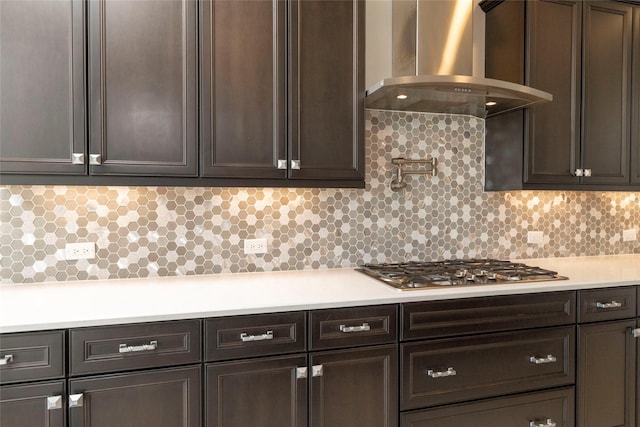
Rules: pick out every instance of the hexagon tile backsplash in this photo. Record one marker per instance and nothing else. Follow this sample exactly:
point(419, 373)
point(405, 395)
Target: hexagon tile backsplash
point(159, 231)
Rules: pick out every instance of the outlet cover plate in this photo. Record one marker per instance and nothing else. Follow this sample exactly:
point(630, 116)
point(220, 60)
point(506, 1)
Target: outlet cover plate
point(79, 251)
point(629, 235)
point(535, 237)
point(255, 246)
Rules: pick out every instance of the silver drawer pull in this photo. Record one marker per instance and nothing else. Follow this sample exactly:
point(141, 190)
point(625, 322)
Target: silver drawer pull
point(6, 359)
point(246, 338)
point(548, 423)
point(362, 328)
point(450, 372)
point(636, 333)
point(540, 360)
point(136, 348)
point(612, 304)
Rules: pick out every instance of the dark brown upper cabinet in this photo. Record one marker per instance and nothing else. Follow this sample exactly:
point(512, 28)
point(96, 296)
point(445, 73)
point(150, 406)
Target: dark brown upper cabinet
point(580, 51)
point(282, 89)
point(635, 109)
point(142, 88)
point(42, 101)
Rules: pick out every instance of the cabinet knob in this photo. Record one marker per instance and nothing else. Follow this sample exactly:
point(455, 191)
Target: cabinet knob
point(95, 159)
point(77, 158)
point(635, 333)
point(587, 172)
point(54, 402)
point(6, 359)
point(295, 164)
point(548, 423)
point(317, 371)
point(579, 172)
point(301, 372)
point(76, 400)
point(450, 372)
point(282, 164)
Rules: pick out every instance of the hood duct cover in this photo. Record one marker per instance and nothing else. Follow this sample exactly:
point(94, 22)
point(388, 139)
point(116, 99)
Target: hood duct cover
point(437, 60)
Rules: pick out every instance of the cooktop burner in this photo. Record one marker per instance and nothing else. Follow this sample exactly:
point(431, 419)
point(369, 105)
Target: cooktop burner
point(463, 272)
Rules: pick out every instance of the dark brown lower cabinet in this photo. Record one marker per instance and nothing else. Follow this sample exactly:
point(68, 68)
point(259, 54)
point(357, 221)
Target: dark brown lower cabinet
point(354, 387)
point(268, 392)
point(33, 405)
point(156, 398)
point(606, 374)
point(551, 408)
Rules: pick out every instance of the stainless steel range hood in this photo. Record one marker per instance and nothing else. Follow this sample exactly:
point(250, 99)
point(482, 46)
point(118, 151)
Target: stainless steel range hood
point(428, 56)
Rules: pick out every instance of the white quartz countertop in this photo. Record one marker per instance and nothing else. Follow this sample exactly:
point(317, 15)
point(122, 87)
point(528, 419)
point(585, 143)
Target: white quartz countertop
point(29, 307)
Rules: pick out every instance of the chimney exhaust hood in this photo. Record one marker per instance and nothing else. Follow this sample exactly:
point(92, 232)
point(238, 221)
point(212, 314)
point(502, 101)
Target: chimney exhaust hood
point(434, 52)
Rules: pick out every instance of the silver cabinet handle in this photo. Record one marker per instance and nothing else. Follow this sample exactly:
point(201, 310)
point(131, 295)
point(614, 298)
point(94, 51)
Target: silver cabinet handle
point(612, 304)
point(76, 400)
point(548, 423)
point(301, 372)
point(54, 402)
point(541, 360)
point(587, 172)
point(282, 164)
point(579, 172)
point(450, 372)
point(95, 159)
point(246, 338)
point(362, 328)
point(123, 348)
point(295, 164)
point(636, 333)
point(6, 359)
point(317, 371)
point(77, 158)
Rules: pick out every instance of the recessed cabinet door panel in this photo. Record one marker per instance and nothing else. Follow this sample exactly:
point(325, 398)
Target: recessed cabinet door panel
point(161, 398)
point(553, 143)
point(635, 111)
point(243, 88)
point(143, 87)
point(33, 405)
point(356, 387)
point(606, 88)
point(606, 377)
point(42, 95)
point(326, 124)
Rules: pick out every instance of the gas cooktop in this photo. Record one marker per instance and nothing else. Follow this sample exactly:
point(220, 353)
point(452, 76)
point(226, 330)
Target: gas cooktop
point(464, 272)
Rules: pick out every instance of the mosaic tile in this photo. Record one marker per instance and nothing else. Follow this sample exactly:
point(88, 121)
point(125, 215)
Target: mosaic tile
point(161, 231)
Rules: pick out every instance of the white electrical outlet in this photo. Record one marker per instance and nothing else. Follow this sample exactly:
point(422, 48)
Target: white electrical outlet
point(535, 237)
point(629, 235)
point(80, 251)
point(255, 246)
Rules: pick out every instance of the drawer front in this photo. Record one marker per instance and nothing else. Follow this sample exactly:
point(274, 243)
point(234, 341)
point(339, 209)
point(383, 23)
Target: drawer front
point(490, 314)
point(348, 327)
point(552, 408)
point(31, 356)
point(455, 370)
point(607, 304)
point(255, 335)
point(124, 347)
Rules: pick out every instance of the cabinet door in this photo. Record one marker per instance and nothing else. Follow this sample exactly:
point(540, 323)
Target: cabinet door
point(33, 405)
point(606, 89)
point(606, 376)
point(356, 387)
point(269, 392)
point(143, 87)
point(326, 89)
point(635, 110)
point(243, 88)
point(161, 398)
point(552, 146)
point(42, 95)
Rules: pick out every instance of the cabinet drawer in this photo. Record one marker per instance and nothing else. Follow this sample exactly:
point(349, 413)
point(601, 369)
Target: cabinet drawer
point(347, 327)
point(527, 410)
point(31, 356)
point(455, 370)
point(124, 347)
point(491, 314)
point(255, 335)
point(607, 304)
